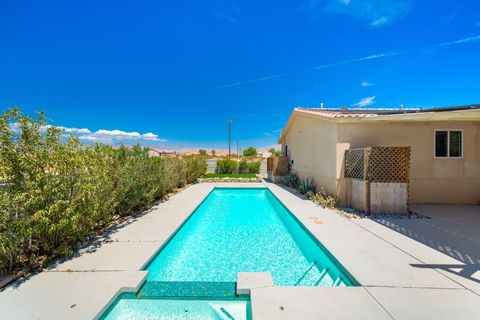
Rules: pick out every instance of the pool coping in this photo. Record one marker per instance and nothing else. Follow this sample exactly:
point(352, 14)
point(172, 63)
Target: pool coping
point(377, 309)
point(384, 270)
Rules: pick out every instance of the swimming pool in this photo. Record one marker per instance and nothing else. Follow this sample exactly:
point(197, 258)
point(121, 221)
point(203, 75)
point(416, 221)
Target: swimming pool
point(236, 230)
point(129, 306)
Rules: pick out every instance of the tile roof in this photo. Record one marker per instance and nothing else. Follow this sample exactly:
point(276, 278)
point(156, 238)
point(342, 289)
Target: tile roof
point(347, 113)
point(325, 113)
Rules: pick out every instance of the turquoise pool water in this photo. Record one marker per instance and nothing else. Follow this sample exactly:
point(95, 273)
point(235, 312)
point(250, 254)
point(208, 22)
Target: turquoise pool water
point(233, 230)
point(246, 230)
point(129, 307)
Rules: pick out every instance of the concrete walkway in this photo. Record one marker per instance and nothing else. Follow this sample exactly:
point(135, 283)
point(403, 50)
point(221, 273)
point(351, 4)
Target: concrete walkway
point(396, 272)
point(398, 281)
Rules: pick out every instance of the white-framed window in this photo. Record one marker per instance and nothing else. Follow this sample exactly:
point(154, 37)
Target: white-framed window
point(448, 143)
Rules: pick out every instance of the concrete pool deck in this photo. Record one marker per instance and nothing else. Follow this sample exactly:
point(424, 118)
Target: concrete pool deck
point(401, 277)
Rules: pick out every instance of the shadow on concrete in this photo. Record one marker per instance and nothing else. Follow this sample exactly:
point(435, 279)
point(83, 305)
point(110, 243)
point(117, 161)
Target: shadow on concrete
point(452, 230)
point(463, 270)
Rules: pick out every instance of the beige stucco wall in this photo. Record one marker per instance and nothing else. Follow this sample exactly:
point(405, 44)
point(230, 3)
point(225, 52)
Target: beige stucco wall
point(312, 145)
point(444, 181)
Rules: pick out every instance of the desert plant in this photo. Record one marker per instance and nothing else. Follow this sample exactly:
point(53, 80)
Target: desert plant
point(55, 190)
point(254, 167)
point(275, 152)
point(231, 166)
point(226, 166)
point(323, 199)
point(306, 185)
point(250, 152)
point(243, 167)
point(292, 180)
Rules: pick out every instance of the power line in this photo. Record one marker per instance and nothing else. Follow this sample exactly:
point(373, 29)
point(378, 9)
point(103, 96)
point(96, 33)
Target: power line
point(229, 136)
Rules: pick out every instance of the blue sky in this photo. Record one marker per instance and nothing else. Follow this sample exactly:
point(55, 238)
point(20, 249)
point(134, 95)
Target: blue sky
point(169, 73)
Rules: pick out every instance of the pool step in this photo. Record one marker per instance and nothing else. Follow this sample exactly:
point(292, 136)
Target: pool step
point(184, 289)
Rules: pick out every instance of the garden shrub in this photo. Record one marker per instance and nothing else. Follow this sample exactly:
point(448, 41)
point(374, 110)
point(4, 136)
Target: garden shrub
point(55, 190)
point(227, 166)
point(250, 152)
point(243, 167)
point(323, 199)
point(254, 167)
point(232, 166)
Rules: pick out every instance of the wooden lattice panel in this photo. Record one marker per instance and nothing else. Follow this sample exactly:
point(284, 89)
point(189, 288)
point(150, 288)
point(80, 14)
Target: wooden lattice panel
point(355, 164)
point(270, 164)
point(389, 164)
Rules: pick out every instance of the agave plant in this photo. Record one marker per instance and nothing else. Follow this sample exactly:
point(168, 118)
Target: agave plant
point(293, 180)
point(306, 186)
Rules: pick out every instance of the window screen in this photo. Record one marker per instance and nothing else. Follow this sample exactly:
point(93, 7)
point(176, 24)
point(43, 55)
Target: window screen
point(455, 143)
point(448, 143)
point(441, 143)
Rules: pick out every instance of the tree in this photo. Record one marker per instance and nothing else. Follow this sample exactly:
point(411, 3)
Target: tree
point(213, 153)
point(250, 152)
point(202, 152)
point(274, 152)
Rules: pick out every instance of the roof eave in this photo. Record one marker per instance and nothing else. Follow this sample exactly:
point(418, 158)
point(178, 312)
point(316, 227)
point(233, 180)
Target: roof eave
point(459, 115)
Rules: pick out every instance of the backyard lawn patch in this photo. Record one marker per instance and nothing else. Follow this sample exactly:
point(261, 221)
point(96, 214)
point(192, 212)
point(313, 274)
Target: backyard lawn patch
point(230, 175)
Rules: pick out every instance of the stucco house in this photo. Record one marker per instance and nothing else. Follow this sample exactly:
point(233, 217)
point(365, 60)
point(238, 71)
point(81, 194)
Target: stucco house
point(444, 144)
point(153, 152)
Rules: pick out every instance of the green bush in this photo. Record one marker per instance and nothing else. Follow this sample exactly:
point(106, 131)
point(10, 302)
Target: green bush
point(254, 167)
point(250, 152)
point(243, 167)
point(232, 166)
point(54, 192)
point(226, 166)
point(275, 152)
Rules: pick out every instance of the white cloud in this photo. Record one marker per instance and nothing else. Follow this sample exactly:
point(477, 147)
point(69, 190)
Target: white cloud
point(95, 139)
point(112, 136)
point(365, 102)
point(366, 84)
point(103, 135)
point(118, 134)
point(460, 41)
point(375, 12)
point(151, 136)
point(366, 58)
point(379, 55)
point(448, 18)
point(379, 21)
point(227, 11)
point(241, 83)
point(223, 16)
point(72, 130)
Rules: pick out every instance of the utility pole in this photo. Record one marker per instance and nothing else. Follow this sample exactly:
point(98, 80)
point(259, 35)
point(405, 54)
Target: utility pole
point(229, 136)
